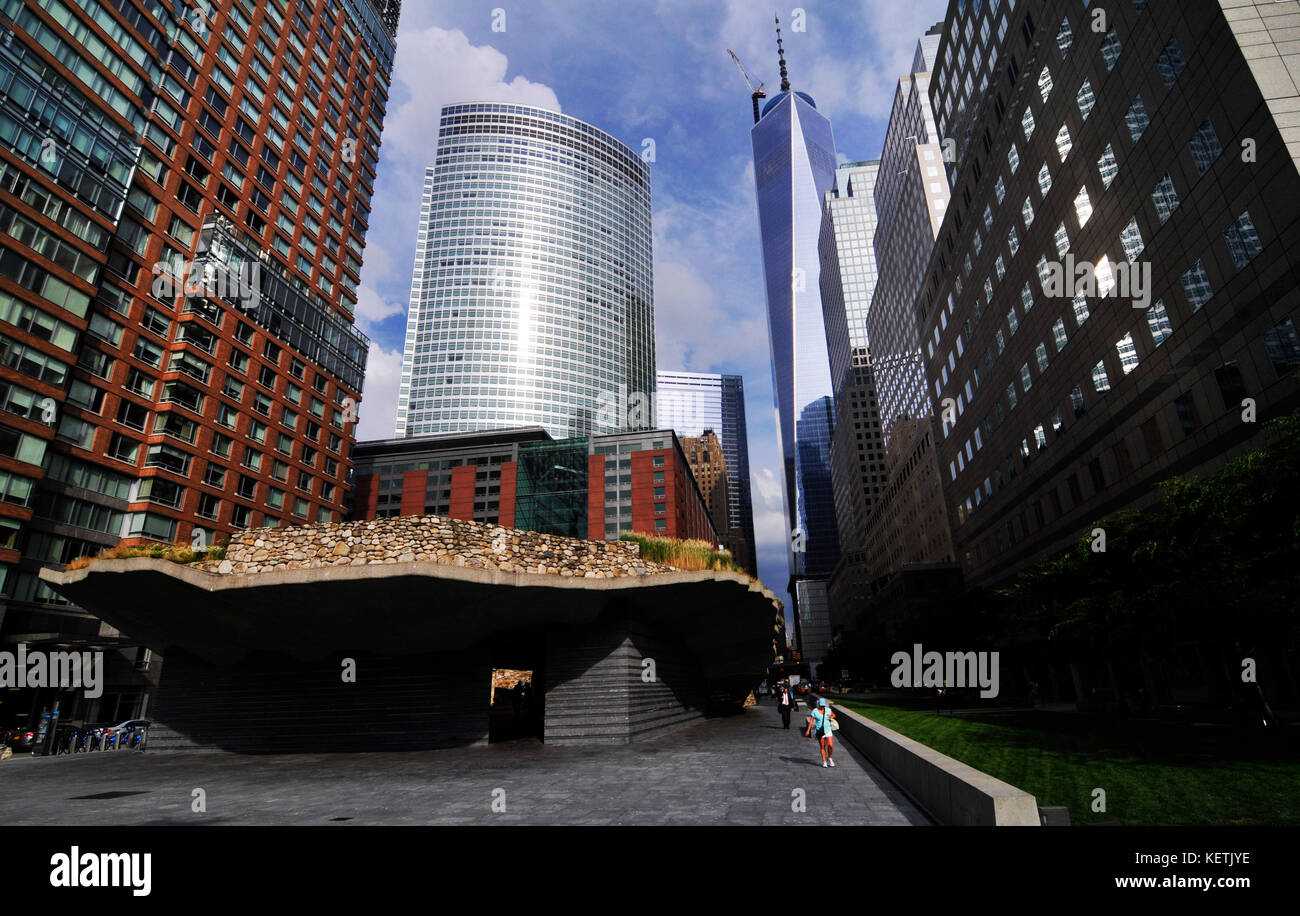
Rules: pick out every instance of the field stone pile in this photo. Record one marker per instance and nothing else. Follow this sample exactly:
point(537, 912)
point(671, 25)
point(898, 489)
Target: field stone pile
point(429, 538)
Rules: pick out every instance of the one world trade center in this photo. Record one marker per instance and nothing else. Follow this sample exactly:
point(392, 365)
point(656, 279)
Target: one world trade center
point(794, 166)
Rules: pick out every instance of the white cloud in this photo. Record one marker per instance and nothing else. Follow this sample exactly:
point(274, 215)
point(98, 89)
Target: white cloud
point(769, 509)
point(708, 295)
point(377, 413)
point(439, 66)
point(372, 308)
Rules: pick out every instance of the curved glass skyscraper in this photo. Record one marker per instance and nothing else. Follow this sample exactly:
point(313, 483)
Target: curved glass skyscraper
point(532, 300)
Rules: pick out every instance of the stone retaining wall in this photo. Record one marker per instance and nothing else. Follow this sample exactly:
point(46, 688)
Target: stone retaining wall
point(952, 793)
point(407, 539)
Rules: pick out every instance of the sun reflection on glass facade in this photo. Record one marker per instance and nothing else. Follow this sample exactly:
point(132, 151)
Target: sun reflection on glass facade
point(532, 294)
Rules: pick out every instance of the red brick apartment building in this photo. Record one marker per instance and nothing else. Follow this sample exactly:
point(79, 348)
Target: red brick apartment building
point(598, 488)
point(147, 153)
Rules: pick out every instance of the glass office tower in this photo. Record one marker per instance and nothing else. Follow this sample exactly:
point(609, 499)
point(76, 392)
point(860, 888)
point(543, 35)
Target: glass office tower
point(691, 402)
point(532, 295)
point(794, 166)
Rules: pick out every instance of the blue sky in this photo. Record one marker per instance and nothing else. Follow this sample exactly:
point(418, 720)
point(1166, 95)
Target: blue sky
point(657, 70)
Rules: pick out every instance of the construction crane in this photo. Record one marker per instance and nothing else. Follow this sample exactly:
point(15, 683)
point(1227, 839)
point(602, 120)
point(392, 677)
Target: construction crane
point(754, 94)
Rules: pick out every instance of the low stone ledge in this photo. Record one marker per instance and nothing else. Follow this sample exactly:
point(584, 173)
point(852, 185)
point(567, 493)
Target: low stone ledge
point(949, 791)
point(428, 539)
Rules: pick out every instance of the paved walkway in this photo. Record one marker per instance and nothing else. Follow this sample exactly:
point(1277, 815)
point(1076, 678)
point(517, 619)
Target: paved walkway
point(739, 770)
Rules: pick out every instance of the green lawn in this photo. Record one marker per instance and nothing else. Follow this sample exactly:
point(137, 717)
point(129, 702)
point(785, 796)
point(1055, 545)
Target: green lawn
point(1153, 773)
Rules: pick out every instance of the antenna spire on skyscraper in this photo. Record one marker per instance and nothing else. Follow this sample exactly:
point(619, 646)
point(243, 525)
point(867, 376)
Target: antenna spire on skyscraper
point(780, 53)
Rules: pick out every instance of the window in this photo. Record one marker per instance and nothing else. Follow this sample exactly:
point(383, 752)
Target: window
point(1100, 381)
point(1027, 122)
point(1243, 240)
point(1076, 401)
point(1064, 36)
point(1082, 206)
point(1131, 240)
point(1165, 198)
point(132, 415)
point(1027, 213)
point(1110, 49)
point(1062, 239)
point(1282, 347)
point(214, 475)
point(1085, 99)
point(1040, 357)
point(1063, 142)
point(1158, 322)
point(1059, 336)
point(1205, 147)
point(1136, 119)
point(1045, 83)
point(1044, 180)
point(1185, 408)
point(1196, 286)
point(1107, 166)
point(1128, 356)
point(1231, 385)
point(1105, 277)
point(1171, 63)
point(209, 506)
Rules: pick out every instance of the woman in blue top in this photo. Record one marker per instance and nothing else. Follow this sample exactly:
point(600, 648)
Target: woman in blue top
point(821, 719)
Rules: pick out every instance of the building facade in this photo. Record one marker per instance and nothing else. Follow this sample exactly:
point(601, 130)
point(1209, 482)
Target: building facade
point(794, 167)
point(597, 488)
point(848, 266)
point(532, 297)
point(690, 403)
point(910, 200)
point(848, 281)
point(1114, 297)
point(708, 463)
point(185, 195)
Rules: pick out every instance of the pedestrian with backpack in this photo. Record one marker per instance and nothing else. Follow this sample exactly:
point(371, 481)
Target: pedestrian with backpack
point(823, 719)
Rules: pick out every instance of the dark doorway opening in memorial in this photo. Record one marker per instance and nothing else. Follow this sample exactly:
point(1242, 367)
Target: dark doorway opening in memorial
point(518, 694)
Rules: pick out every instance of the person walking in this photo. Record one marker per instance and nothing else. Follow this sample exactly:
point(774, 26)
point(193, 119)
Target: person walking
point(786, 703)
point(822, 718)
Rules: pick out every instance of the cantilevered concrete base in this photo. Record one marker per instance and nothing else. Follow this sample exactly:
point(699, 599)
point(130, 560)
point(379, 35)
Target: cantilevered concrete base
point(256, 661)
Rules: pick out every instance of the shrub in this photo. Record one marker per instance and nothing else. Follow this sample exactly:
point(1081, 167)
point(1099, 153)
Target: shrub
point(689, 554)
